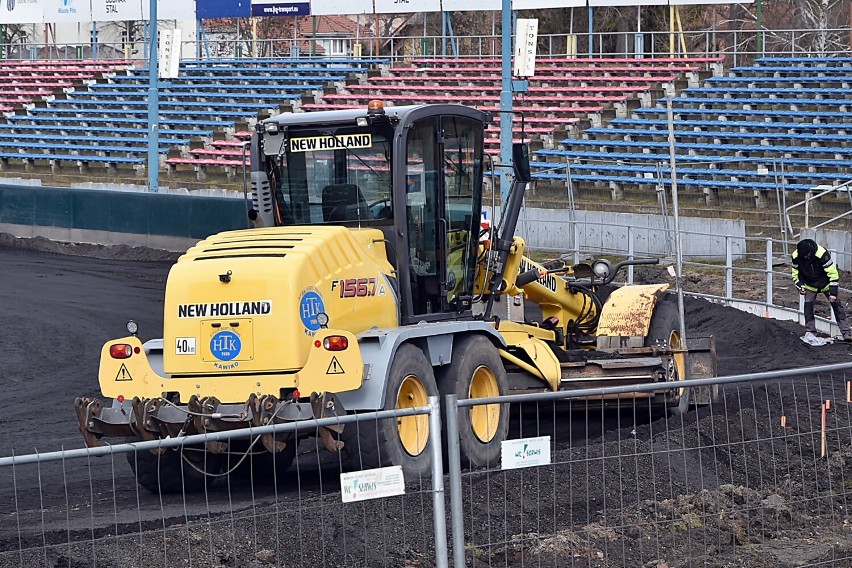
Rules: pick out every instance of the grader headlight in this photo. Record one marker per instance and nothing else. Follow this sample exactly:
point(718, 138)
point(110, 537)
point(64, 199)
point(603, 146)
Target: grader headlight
point(602, 268)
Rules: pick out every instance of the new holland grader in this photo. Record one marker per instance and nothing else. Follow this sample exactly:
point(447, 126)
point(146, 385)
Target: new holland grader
point(364, 282)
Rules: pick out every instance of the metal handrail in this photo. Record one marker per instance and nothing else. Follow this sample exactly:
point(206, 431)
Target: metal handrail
point(811, 196)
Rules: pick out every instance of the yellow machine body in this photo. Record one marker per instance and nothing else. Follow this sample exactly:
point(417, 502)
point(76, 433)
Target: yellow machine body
point(246, 303)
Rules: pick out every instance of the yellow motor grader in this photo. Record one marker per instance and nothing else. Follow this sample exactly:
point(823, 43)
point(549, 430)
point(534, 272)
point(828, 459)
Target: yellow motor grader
point(364, 282)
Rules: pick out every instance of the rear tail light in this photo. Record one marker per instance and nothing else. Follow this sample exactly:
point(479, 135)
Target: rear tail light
point(120, 351)
point(335, 343)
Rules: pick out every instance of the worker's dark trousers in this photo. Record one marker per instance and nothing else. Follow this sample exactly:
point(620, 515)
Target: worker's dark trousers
point(836, 307)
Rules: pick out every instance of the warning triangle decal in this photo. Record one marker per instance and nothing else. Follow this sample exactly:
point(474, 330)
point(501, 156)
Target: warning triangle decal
point(123, 374)
point(334, 368)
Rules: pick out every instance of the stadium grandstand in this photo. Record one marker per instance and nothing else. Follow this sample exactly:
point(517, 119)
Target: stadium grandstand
point(747, 128)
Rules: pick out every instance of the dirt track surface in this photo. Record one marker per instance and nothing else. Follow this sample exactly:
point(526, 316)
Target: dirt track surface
point(60, 303)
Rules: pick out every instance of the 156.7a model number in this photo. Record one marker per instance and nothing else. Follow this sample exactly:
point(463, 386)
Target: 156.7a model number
point(355, 287)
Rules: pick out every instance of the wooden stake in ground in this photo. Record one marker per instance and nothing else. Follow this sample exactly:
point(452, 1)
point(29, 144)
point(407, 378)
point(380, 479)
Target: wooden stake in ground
point(849, 392)
point(783, 421)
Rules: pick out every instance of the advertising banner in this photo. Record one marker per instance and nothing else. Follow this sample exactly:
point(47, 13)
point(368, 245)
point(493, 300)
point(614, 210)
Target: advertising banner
point(536, 4)
point(116, 10)
point(58, 11)
point(170, 9)
point(471, 5)
point(207, 9)
point(407, 6)
point(21, 12)
point(280, 8)
point(342, 7)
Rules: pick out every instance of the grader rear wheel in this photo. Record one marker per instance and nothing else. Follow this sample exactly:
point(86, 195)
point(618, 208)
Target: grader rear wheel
point(403, 441)
point(476, 371)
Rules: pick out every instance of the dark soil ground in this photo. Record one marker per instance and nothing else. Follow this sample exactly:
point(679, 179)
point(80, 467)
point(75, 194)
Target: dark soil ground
point(723, 485)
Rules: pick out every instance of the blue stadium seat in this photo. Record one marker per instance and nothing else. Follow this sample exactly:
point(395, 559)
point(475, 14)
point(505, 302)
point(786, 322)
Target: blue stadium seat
point(642, 170)
point(132, 141)
point(768, 113)
point(142, 111)
point(758, 92)
point(701, 183)
point(164, 103)
point(715, 159)
point(812, 62)
point(842, 80)
point(712, 125)
point(96, 149)
point(710, 148)
point(756, 101)
point(140, 131)
point(642, 132)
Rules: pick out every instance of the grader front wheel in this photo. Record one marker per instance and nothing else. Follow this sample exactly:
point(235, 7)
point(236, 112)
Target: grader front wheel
point(476, 371)
point(404, 440)
point(664, 332)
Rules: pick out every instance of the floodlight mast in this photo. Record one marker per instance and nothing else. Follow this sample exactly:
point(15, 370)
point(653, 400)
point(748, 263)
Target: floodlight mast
point(153, 104)
point(506, 100)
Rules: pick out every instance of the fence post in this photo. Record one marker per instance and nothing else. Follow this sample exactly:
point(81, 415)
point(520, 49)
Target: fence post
point(456, 504)
point(630, 254)
point(439, 509)
point(729, 269)
point(576, 243)
point(769, 272)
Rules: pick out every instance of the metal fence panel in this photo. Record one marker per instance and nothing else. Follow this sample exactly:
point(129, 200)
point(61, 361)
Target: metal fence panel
point(79, 508)
point(763, 477)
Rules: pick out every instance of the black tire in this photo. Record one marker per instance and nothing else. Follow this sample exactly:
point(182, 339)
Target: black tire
point(404, 442)
point(664, 332)
point(170, 471)
point(665, 325)
point(476, 371)
point(262, 467)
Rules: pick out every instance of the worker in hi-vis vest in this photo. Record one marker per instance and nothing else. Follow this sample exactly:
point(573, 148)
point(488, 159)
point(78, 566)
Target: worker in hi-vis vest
point(814, 272)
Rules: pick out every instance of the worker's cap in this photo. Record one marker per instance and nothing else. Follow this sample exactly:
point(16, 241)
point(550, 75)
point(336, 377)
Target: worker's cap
point(806, 248)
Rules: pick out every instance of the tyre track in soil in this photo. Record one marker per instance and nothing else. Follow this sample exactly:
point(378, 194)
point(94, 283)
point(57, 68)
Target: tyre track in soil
point(59, 303)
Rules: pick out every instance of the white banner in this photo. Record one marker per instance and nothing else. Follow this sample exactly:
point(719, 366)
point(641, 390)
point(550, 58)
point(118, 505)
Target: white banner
point(692, 2)
point(526, 37)
point(469, 5)
point(341, 7)
point(170, 9)
point(58, 11)
point(405, 6)
point(536, 4)
point(596, 3)
point(21, 12)
point(116, 10)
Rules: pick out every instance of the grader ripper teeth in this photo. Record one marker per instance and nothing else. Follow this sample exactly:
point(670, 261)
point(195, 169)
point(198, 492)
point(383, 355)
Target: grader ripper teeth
point(157, 418)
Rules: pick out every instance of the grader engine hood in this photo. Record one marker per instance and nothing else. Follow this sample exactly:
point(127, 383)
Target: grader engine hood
point(247, 301)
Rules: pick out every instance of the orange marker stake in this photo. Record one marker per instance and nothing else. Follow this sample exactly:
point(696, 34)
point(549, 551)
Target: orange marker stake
point(824, 441)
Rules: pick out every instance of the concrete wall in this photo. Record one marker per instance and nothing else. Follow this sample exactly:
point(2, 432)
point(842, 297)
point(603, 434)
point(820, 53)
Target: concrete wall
point(169, 222)
point(174, 222)
point(600, 231)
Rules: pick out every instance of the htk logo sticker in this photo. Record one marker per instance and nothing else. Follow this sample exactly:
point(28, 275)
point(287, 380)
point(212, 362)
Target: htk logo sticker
point(225, 345)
